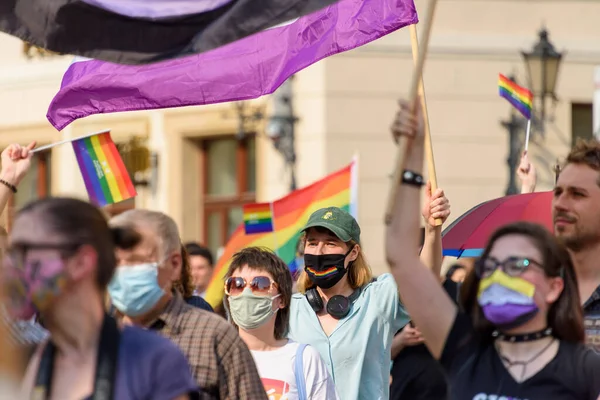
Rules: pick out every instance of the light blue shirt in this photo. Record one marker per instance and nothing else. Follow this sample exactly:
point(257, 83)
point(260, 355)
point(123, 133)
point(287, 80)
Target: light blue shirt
point(358, 351)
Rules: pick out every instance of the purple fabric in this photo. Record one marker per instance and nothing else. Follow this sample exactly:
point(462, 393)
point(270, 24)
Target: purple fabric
point(151, 368)
point(246, 69)
point(507, 314)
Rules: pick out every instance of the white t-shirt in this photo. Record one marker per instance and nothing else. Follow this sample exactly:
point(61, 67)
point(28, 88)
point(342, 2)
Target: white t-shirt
point(276, 369)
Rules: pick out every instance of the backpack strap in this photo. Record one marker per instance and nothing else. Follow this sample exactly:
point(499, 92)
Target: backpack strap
point(299, 373)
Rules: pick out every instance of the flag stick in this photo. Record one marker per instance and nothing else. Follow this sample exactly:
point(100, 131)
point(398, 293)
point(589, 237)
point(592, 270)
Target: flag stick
point(527, 134)
point(405, 143)
point(49, 146)
point(414, 41)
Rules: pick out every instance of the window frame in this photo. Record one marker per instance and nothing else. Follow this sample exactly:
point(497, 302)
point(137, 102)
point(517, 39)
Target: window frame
point(577, 109)
point(222, 204)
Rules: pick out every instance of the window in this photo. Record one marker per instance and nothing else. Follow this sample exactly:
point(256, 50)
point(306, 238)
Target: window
point(229, 177)
point(35, 184)
point(582, 125)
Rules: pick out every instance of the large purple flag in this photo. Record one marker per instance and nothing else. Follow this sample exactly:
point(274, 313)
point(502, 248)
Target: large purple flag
point(246, 69)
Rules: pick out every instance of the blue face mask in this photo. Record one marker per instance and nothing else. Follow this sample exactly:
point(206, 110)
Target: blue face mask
point(134, 289)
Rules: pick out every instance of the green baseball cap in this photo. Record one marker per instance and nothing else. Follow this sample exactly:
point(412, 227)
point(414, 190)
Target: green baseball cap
point(340, 222)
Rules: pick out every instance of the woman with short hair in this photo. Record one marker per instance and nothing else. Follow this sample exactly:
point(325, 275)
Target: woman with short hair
point(258, 286)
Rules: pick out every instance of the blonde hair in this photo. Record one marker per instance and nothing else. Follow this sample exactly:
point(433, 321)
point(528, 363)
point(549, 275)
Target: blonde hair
point(166, 231)
point(359, 272)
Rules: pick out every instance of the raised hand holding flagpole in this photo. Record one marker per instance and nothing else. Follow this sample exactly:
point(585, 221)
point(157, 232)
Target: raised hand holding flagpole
point(404, 143)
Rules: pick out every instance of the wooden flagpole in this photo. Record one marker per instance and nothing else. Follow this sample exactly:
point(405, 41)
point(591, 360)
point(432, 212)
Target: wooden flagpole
point(404, 143)
point(414, 41)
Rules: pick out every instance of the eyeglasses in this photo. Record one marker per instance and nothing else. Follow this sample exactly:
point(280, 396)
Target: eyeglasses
point(512, 266)
point(17, 252)
point(260, 285)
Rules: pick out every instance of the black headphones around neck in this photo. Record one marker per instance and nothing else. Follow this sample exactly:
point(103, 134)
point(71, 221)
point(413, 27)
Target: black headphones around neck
point(338, 306)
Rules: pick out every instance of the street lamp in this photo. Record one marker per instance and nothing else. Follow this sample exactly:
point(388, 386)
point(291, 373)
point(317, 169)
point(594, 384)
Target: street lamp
point(542, 64)
point(246, 119)
point(281, 127)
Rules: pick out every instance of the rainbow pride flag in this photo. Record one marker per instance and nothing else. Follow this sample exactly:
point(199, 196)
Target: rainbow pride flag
point(518, 96)
point(289, 214)
point(258, 218)
point(106, 178)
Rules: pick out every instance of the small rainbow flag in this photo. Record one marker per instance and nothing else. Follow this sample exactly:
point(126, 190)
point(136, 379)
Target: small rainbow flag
point(518, 96)
point(258, 218)
point(106, 178)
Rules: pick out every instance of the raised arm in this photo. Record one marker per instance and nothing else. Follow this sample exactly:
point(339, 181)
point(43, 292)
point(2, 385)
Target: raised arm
point(527, 174)
point(426, 301)
point(15, 164)
point(435, 206)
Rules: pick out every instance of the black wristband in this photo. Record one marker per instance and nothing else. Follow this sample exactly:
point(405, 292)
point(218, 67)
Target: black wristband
point(9, 185)
point(412, 178)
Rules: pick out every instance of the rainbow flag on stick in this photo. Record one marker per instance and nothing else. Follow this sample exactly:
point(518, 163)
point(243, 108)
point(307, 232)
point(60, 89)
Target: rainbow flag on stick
point(106, 178)
point(288, 216)
point(518, 96)
point(258, 218)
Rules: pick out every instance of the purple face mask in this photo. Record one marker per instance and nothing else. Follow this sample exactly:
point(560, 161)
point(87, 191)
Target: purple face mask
point(507, 301)
point(34, 286)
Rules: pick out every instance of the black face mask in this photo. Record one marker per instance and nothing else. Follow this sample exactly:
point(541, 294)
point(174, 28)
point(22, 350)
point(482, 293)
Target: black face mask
point(325, 270)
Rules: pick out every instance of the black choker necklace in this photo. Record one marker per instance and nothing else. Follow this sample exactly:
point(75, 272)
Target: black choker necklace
point(524, 337)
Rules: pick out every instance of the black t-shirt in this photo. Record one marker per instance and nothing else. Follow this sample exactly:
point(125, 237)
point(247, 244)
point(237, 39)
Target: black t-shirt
point(475, 371)
point(416, 375)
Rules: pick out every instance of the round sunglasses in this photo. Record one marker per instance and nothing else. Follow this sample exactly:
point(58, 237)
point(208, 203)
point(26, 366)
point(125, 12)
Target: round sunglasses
point(260, 285)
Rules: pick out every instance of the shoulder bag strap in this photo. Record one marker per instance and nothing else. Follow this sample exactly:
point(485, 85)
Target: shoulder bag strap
point(299, 373)
point(107, 360)
point(106, 365)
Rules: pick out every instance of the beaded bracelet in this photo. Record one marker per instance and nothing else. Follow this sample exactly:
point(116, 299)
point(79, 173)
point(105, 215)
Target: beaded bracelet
point(9, 185)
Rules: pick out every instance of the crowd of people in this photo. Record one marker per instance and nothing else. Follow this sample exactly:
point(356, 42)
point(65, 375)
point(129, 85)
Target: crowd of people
point(113, 308)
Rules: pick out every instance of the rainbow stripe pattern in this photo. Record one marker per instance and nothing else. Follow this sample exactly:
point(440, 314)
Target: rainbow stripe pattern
point(518, 96)
point(327, 272)
point(289, 215)
point(258, 218)
point(104, 174)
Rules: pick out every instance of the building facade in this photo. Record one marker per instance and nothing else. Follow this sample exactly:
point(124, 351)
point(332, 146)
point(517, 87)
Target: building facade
point(205, 169)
